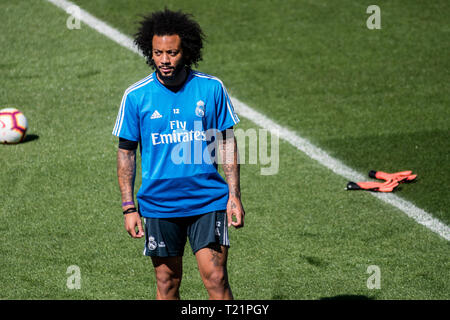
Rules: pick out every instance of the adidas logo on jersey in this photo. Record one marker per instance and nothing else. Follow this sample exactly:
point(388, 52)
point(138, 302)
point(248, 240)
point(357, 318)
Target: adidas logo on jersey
point(156, 115)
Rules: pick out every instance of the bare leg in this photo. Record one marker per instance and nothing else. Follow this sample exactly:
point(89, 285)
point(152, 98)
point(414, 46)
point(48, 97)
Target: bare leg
point(212, 264)
point(168, 273)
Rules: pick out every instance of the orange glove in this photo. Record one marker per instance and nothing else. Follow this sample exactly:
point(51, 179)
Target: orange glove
point(387, 186)
point(402, 176)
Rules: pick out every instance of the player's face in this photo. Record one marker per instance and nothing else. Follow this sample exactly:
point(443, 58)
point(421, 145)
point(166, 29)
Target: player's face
point(167, 56)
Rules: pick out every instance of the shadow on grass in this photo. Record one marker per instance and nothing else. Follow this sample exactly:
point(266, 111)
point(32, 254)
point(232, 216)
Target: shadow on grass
point(30, 137)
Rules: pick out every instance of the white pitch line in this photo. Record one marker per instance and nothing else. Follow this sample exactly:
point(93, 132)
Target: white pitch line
point(419, 215)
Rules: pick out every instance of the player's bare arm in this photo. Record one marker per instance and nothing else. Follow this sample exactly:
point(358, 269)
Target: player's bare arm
point(229, 155)
point(126, 173)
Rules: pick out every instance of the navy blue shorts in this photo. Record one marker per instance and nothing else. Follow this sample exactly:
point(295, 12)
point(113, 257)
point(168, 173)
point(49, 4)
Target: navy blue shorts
point(167, 237)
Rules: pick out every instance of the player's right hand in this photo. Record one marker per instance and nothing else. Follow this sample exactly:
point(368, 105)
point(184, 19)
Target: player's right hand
point(133, 220)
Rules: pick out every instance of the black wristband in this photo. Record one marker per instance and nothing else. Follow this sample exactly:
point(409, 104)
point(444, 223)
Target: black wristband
point(130, 210)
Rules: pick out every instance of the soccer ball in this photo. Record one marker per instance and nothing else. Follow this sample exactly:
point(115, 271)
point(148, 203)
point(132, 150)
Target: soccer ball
point(13, 126)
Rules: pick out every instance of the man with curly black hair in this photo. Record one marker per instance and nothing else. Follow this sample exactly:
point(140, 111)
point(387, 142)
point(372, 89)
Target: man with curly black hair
point(177, 116)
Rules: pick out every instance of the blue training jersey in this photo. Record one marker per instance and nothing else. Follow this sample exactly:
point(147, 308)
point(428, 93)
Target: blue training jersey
point(176, 132)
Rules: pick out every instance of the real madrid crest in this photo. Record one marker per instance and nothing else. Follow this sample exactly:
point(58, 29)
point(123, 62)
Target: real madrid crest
point(200, 109)
point(152, 243)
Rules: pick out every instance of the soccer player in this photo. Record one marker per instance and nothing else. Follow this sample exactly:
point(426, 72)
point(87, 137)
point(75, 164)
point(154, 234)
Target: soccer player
point(178, 116)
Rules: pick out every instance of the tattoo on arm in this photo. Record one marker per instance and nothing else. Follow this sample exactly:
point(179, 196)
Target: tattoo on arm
point(126, 173)
point(230, 165)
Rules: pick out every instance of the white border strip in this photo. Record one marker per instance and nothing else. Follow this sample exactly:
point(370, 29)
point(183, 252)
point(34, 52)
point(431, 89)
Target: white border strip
point(419, 215)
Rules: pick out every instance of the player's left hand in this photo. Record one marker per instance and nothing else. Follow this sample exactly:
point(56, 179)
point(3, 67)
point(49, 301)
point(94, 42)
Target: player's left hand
point(235, 210)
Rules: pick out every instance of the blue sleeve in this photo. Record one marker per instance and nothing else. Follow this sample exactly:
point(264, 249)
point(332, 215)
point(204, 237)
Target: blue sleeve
point(226, 117)
point(127, 122)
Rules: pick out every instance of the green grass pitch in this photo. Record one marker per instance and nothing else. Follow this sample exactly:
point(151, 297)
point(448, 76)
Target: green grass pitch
point(374, 99)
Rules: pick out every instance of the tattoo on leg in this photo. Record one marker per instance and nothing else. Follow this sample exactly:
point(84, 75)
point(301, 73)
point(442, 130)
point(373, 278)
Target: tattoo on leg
point(215, 257)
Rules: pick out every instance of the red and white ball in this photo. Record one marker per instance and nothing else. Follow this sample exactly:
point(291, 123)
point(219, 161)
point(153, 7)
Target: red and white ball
point(13, 126)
